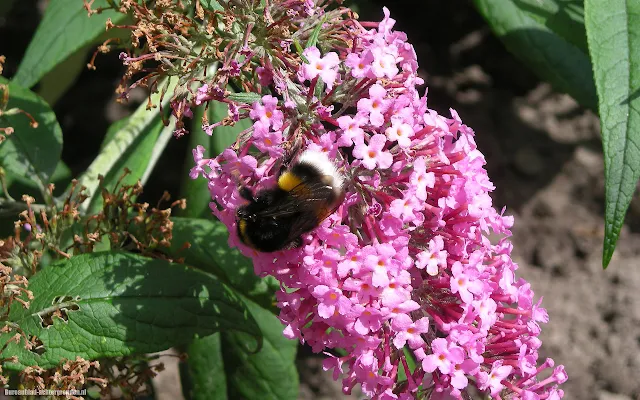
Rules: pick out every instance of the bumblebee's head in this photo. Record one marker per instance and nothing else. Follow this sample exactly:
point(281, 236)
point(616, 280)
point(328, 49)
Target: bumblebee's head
point(245, 217)
point(259, 232)
point(246, 211)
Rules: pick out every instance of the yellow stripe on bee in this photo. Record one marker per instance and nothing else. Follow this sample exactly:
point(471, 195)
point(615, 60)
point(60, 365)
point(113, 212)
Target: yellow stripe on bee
point(242, 229)
point(242, 226)
point(288, 181)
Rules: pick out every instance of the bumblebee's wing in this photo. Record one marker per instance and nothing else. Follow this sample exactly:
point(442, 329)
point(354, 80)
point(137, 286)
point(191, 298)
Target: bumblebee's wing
point(306, 198)
point(305, 207)
point(317, 201)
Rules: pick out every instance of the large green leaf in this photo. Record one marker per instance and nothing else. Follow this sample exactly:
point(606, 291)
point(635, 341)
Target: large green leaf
point(268, 374)
point(18, 184)
point(195, 190)
point(56, 82)
point(613, 31)
point(64, 29)
point(30, 152)
point(548, 37)
point(136, 157)
point(111, 155)
point(210, 252)
point(203, 375)
point(115, 304)
point(563, 17)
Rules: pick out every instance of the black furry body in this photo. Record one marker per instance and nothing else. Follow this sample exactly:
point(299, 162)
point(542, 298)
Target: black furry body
point(275, 218)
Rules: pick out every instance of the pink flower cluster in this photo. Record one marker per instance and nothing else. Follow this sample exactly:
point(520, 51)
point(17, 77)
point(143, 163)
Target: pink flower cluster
point(404, 275)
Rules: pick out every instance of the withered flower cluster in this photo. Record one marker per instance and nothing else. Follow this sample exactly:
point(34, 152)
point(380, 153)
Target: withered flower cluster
point(235, 45)
point(60, 230)
point(129, 225)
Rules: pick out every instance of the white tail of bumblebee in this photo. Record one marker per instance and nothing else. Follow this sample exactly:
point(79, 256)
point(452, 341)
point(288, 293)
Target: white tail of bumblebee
point(321, 162)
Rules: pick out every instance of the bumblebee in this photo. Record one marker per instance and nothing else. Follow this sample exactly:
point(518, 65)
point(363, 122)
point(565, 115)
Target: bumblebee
point(306, 193)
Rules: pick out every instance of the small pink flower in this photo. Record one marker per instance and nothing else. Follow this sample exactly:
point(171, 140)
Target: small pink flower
point(433, 259)
point(421, 179)
point(197, 170)
point(324, 67)
point(381, 264)
point(245, 165)
point(459, 378)
point(464, 283)
point(384, 63)
point(375, 105)
point(493, 379)
point(265, 76)
point(268, 114)
point(527, 361)
point(333, 362)
point(396, 292)
point(330, 301)
point(267, 142)
point(352, 133)
point(326, 144)
point(400, 132)
point(372, 154)
point(486, 310)
point(360, 65)
point(203, 94)
point(445, 356)
point(559, 374)
point(370, 319)
point(409, 331)
point(407, 209)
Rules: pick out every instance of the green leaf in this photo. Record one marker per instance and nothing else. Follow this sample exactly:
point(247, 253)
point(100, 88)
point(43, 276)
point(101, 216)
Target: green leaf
point(313, 39)
point(57, 81)
point(549, 39)
point(64, 29)
point(300, 50)
point(411, 363)
point(613, 31)
point(18, 184)
point(30, 152)
point(248, 98)
point(136, 157)
point(223, 136)
point(225, 369)
point(268, 374)
point(210, 252)
point(112, 153)
point(115, 304)
point(195, 190)
point(211, 5)
point(203, 375)
point(565, 18)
